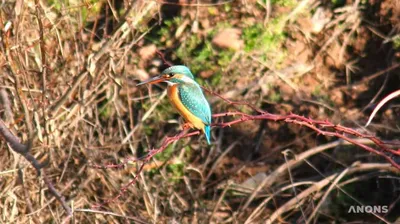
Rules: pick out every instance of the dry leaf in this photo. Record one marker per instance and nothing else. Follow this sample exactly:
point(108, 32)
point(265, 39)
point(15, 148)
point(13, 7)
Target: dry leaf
point(18, 7)
point(147, 52)
point(206, 74)
point(319, 20)
point(229, 38)
point(141, 74)
point(181, 28)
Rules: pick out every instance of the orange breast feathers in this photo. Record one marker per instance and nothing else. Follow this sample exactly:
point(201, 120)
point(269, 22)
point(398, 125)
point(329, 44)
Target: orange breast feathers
point(173, 96)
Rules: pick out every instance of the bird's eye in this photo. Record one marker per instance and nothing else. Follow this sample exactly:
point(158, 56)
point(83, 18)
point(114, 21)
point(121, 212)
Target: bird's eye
point(169, 75)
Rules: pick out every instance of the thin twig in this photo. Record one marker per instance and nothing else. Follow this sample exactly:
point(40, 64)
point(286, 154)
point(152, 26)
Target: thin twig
point(285, 154)
point(44, 65)
point(381, 103)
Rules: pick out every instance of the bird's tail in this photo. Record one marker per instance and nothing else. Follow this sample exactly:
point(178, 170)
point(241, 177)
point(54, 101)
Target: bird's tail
point(207, 132)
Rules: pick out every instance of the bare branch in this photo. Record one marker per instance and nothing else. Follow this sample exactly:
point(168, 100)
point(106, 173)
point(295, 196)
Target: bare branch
point(23, 150)
point(12, 140)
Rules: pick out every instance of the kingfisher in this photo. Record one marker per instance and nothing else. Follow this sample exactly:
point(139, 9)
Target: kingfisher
point(186, 96)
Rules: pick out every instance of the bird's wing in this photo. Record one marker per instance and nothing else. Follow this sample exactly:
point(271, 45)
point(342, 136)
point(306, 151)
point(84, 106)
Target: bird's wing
point(193, 99)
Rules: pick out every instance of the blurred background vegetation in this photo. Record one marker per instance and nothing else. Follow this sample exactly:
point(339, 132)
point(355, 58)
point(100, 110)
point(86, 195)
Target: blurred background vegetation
point(326, 59)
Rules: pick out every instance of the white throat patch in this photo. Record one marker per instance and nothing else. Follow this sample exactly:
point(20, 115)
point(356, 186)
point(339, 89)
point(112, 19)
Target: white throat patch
point(170, 83)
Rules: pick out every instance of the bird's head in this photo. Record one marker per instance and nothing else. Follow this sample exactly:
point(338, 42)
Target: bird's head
point(176, 74)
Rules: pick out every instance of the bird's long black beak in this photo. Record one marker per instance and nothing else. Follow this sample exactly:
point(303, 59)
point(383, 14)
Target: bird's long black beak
point(153, 80)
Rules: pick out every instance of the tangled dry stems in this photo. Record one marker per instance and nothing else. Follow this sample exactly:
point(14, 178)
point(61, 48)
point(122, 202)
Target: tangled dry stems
point(321, 127)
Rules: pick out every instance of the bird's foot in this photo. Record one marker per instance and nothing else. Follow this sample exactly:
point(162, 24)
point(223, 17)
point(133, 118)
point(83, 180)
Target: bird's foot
point(186, 126)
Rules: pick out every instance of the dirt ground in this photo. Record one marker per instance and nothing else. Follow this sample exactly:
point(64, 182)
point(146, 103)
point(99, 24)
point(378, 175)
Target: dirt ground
point(68, 92)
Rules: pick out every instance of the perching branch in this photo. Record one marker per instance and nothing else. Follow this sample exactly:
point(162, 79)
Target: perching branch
point(321, 127)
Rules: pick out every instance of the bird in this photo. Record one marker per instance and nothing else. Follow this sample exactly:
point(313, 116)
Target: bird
point(186, 95)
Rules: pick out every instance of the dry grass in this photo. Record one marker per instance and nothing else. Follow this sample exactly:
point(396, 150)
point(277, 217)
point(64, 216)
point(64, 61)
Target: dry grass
point(67, 91)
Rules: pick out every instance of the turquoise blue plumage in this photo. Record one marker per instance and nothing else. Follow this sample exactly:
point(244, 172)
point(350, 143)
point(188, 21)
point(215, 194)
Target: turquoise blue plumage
point(193, 99)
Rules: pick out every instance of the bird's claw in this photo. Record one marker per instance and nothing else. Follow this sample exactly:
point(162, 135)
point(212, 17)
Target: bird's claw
point(186, 126)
